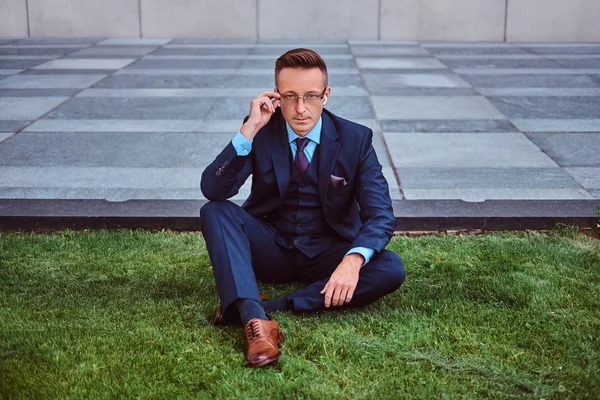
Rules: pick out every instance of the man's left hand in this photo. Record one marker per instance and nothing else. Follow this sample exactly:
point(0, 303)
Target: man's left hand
point(340, 287)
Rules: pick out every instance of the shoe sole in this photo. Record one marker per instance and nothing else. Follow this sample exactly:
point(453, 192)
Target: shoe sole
point(265, 362)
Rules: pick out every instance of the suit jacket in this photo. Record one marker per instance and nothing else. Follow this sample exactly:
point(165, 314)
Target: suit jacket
point(357, 207)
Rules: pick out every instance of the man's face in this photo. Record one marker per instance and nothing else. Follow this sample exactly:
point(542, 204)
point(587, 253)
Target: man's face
point(301, 115)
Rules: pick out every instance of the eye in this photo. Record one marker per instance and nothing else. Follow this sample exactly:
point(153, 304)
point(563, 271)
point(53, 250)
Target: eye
point(312, 96)
point(289, 97)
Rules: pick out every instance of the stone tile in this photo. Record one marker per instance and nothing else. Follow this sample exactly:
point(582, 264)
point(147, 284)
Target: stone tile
point(20, 64)
point(229, 108)
point(180, 71)
point(570, 149)
point(399, 80)
point(531, 81)
point(134, 42)
point(523, 71)
point(134, 125)
point(247, 93)
point(7, 41)
point(589, 178)
point(277, 51)
point(486, 178)
point(212, 41)
point(225, 51)
point(2, 57)
point(557, 125)
point(464, 150)
point(475, 50)
point(434, 107)
point(390, 177)
point(113, 51)
point(86, 64)
point(49, 81)
point(501, 63)
point(171, 81)
point(460, 125)
point(388, 51)
point(423, 92)
point(480, 57)
point(357, 43)
point(564, 49)
point(548, 107)
point(331, 63)
point(5, 135)
point(558, 57)
point(185, 64)
point(351, 107)
point(9, 72)
point(47, 41)
point(543, 92)
point(38, 92)
point(27, 108)
point(480, 195)
point(12, 125)
point(37, 51)
point(133, 108)
point(123, 150)
point(595, 193)
point(577, 64)
point(399, 63)
point(68, 72)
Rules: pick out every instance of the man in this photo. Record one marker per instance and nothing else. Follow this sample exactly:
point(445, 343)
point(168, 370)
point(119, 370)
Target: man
point(319, 210)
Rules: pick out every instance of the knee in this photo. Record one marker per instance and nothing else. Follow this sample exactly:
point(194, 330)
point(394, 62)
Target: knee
point(393, 270)
point(212, 210)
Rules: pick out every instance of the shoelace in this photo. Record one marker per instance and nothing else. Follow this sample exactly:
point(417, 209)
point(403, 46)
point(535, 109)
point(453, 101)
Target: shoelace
point(253, 330)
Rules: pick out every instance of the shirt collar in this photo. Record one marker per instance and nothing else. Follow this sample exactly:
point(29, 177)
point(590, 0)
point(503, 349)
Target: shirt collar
point(314, 134)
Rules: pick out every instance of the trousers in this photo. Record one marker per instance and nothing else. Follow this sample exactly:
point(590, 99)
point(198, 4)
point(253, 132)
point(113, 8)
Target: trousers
point(244, 249)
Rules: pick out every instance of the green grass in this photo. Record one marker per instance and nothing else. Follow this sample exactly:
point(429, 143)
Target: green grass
point(126, 315)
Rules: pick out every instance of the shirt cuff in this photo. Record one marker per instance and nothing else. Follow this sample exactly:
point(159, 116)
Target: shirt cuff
point(241, 145)
point(363, 251)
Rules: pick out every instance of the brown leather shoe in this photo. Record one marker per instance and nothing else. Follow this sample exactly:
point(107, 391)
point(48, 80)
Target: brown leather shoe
point(220, 318)
point(263, 338)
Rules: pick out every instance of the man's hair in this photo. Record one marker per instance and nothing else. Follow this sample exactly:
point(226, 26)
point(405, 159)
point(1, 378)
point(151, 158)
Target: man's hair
point(302, 59)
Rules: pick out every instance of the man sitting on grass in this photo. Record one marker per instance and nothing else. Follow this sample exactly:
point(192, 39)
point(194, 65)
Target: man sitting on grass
point(319, 210)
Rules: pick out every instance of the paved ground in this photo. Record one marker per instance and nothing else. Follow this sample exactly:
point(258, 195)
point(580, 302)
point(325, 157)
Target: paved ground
point(121, 119)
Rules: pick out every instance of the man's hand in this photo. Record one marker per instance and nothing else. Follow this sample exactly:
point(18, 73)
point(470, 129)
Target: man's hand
point(342, 283)
point(261, 109)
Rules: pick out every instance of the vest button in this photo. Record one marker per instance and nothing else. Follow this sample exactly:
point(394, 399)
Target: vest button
point(296, 242)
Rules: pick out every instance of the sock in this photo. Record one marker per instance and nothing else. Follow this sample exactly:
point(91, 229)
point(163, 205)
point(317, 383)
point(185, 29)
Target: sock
point(250, 309)
point(280, 304)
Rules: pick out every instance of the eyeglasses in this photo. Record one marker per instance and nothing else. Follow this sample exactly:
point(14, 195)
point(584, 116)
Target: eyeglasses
point(290, 99)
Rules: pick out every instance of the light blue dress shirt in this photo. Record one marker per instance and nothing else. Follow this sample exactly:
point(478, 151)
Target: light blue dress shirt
point(243, 147)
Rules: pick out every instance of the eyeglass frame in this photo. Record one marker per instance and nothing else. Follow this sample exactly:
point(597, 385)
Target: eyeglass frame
point(298, 97)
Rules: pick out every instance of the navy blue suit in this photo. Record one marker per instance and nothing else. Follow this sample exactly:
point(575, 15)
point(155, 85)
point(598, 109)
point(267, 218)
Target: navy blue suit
point(244, 245)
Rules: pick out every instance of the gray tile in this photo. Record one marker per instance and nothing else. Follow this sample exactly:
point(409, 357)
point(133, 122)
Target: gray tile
point(576, 64)
point(331, 63)
point(423, 92)
point(185, 64)
point(570, 149)
point(564, 49)
point(43, 51)
point(81, 63)
point(127, 150)
point(165, 81)
point(133, 108)
point(202, 92)
point(557, 125)
point(5, 135)
point(27, 108)
point(520, 71)
point(4, 72)
point(38, 92)
point(544, 92)
point(399, 80)
point(434, 107)
point(351, 107)
point(58, 41)
point(12, 125)
point(480, 195)
point(134, 125)
point(180, 71)
point(595, 193)
point(225, 51)
point(489, 57)
point(548, 107)
point(475, 50)
point(109, 194)
point(464, 150)
point(134, 42)
point(113, 51)
point(499, 63)
point(20, 64)
point(541, 81)
point(460, 125)
point(212, 41)
point(278, 51)
point(399, 63)
point(486, 178)
point(589, 178)
point(229, 108)
point(388, 51)
point(7, 41)
point(59, 71)
point(56, 81)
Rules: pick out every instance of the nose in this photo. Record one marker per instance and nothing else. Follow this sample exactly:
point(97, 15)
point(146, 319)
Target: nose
point(300, 105)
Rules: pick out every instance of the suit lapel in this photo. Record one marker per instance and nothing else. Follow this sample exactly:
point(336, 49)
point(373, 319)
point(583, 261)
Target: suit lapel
point(328, 154)
point(280, 154)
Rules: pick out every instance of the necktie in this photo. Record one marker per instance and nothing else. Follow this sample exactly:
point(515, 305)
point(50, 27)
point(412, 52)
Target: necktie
point(301, 160)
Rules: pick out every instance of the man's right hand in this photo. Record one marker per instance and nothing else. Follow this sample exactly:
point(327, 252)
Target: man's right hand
point(261, 109)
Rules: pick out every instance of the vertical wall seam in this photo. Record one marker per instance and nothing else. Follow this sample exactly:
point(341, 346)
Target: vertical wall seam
point(28, 23)
point(379, 20)
point(140, 18)
point(505, 19)
point(257, 19)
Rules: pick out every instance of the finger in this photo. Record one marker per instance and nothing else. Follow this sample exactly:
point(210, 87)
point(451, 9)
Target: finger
point(276, 103)
point(328, 296)
point(325, 288)
point(336, 297)
point(270, 94)
point(349, 295)
point(267, 104)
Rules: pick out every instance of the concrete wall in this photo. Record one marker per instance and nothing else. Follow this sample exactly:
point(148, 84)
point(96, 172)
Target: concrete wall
point(477, 20)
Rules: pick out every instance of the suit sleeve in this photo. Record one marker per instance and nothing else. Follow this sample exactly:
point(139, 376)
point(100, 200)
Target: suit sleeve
point(224, 177)
point(372, 194)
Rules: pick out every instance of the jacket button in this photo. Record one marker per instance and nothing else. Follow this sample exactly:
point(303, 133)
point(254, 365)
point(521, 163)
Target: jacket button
point(296, 242)
point(218, 172)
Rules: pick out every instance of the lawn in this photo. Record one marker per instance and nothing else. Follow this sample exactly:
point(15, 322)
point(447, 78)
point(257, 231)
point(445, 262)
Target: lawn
point(127, 315)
